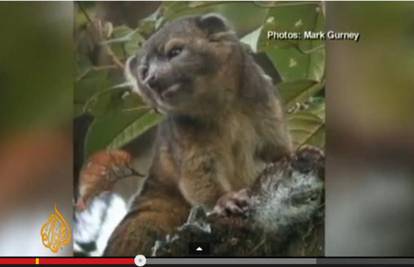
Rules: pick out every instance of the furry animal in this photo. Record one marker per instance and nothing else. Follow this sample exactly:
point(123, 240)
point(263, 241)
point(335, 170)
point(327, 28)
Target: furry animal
point(223, 120)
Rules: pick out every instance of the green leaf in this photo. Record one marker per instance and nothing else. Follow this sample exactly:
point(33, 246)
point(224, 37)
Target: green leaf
point(135, 129)
point(116, 129)
point(316, 106)
point(132, 46)
point(171, 10)
point(295, 59)
point(121, 34)
point(298, 91)
point(318, 138)
point(91, 83)
point(306, 128)
point(104, 129)
point(125, 41)
point(148, 25)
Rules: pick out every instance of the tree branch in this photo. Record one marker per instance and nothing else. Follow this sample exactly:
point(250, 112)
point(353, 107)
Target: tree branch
point(285, 218)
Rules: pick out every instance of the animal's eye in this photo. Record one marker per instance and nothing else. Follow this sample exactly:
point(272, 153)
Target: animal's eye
point(175, 51)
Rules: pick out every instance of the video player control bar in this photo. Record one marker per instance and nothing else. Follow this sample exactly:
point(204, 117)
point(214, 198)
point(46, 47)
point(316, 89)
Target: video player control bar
point(230, 261)
point(264, 261)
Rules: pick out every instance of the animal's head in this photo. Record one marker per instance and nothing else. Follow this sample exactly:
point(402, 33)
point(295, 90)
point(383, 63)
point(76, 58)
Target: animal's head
point(190, 66)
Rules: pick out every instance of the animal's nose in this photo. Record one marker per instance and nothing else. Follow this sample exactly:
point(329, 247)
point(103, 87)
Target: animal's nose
point(142, 72)
point(153, 82)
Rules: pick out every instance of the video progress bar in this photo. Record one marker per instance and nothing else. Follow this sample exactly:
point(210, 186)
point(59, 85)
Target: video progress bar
point(230, 261)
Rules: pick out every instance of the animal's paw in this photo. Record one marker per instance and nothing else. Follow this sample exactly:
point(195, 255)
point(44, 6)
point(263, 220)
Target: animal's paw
point(233, 204)
point(309, 158)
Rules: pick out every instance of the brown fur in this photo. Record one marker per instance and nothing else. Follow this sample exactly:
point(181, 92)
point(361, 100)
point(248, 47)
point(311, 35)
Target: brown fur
point(224, 120)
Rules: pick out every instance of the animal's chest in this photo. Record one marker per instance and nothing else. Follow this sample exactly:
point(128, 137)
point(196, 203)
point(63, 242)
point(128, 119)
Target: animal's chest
point(231, 152)
point(241, 148)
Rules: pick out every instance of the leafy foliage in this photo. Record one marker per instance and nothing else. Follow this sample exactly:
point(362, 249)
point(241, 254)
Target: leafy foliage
point(120, 116)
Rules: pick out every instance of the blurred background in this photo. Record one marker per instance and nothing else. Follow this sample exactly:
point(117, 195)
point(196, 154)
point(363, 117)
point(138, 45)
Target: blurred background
point(36, 103)
point(369, 142)
point(370, 134)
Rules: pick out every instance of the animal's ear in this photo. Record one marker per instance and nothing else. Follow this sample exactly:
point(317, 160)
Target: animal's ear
point(213, 23)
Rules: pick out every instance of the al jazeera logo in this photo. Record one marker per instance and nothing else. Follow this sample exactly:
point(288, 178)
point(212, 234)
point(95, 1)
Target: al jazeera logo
point(56, 232)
